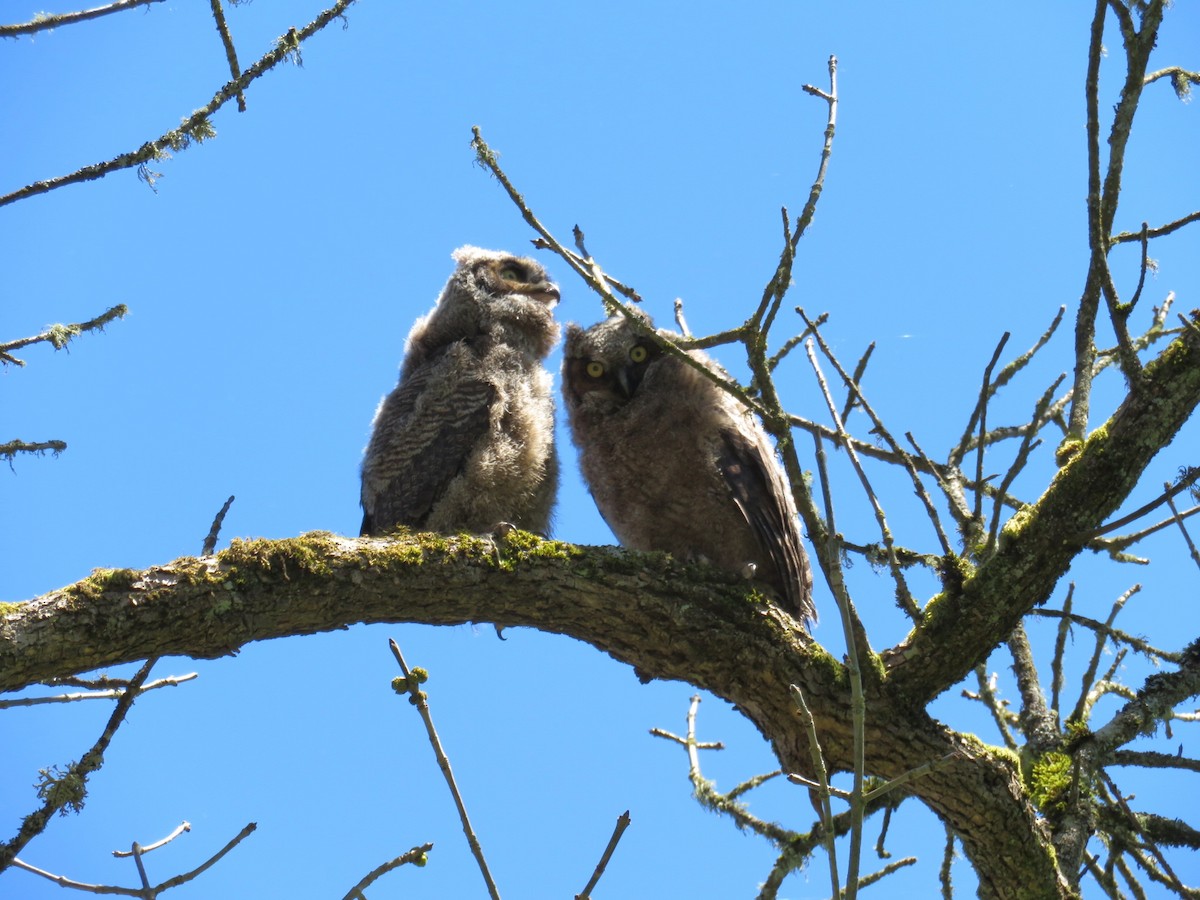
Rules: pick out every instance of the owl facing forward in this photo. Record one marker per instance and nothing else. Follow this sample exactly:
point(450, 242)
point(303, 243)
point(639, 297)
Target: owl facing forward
point(466, 439)
point(677, 464)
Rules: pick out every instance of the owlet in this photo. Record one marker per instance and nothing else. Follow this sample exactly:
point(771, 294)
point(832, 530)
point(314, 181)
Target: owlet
point(466, 439)
point(677, 464)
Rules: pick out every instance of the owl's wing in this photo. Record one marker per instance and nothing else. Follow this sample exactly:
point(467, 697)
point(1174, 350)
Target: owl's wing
point(757, 486)
point(434, 420)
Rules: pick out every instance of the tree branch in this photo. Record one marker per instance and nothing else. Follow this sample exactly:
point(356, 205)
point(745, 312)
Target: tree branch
point(960, 626)
point(195, 127)
point(627, 604)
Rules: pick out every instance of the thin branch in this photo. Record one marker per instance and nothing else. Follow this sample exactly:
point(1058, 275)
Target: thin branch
point(1181, 80)
point(1135, 825)
point(58, 336)
point(947, 862)
point(622, 823)
point(1126, 237)
point(1089, 676)
point(868, 880)
point(680, 321)
point(411, 682)
point(973, 426)
point(110, 694)
point(183, 827)
point(417, 856)
point(1151, 759)
point(1113, 634)
point(248, 830)
point(63, 881)
point(859, 370)
point(1145, 240)
point(230, 52)
point(210, 541)
point(195, 127)
point(1190, 478)
point(10, 449)
point(903, 596)
point(1028, 444)
point(1089, 301)
point(776, 289)
point(1178, 519)
point(1116, 546)
point(1037, 722)
point(814, 194)
point(73, 784)
point(822, 803)
point(905, 777)
point(48, 21)
point(987, 696)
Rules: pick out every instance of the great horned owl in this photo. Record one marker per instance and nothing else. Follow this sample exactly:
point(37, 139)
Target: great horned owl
point(466, 439)
point(677, 464)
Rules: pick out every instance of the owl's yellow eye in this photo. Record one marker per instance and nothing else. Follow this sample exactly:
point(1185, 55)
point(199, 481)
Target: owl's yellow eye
point(512, 273)
point(595, 369)
point(638, 354)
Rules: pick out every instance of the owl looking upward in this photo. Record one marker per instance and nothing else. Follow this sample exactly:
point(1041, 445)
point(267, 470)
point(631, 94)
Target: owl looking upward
point(677, 464)
point(466, 439)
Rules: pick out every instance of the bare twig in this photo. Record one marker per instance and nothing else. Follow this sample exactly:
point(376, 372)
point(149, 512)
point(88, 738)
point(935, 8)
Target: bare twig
point(985, 394)
point(208, 863)
point(947, 862)
point(1060, 646)
point(183, 826)
point(823, 793)
point(987, 696)
point(622, 823)
point(859, 370)
point(417, 856)
point(1113, 634)
point(47, 21)
point(58, 336)
point(195, 127)
point(411, 683)
point(680, 321)
point(905, 777)
point(1089, 676)
point(68, 790)
point(1028, 444)
point(107, 694)
point(10, 449)
point(1152, 759)
point(777, 287)
point(230, 52)
point(210, 541)
point(1190, 478)
point(904, 597)
point(1178, 519)
point(1126, 237)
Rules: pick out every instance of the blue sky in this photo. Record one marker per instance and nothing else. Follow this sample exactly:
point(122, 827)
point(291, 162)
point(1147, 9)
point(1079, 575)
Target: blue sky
point(273, 277)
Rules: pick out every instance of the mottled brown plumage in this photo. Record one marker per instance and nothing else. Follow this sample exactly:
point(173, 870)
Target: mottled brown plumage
point(677, 464)
point(466, 439)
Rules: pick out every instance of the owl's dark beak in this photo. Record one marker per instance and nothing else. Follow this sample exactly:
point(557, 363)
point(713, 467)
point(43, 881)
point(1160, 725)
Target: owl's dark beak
point(627, 382)
point(546, 292)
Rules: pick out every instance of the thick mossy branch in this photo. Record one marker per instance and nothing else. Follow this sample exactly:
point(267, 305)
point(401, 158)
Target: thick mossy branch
point(666, 619)
point(1039, 542)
